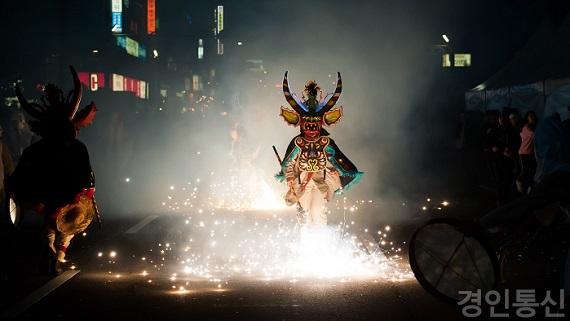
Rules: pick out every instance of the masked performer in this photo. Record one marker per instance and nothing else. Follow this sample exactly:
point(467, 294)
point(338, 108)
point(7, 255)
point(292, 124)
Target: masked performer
point(54, 176)
point(314, 167)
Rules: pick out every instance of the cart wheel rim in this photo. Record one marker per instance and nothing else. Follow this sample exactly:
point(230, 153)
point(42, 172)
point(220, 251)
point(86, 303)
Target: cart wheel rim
point(447, 261)
point(14, 213)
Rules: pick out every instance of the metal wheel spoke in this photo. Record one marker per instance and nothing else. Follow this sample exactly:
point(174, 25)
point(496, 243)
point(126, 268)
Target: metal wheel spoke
point(449, 268)
point(449, 260)
point(430, 253)
point(475, 264)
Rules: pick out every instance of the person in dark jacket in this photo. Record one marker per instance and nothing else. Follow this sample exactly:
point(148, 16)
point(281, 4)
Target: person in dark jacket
point(503, 142)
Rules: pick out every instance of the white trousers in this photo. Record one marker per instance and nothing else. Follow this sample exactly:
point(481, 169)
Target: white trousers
point(313, 203)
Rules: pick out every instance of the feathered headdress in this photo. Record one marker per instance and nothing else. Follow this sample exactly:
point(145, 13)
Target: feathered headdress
point(56, 111)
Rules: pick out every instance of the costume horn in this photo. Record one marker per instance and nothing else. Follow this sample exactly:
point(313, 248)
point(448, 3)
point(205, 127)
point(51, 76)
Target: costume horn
point(76, 94)
point(33, 109)
point(332, 101)
point(289, 97)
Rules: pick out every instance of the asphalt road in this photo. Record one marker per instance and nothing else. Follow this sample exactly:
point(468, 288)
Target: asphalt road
point(175, 267)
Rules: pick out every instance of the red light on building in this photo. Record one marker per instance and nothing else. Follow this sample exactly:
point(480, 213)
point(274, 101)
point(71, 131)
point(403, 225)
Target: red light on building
point(84, 78)
point(92, 80)
point(97, 81)
point(151, 17)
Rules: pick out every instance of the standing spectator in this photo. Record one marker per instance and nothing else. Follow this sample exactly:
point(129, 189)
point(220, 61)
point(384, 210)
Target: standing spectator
point(515, 121)
point(6, 165)
point(526, 153)
point(491, 134)
point(503, 142)
point(552, 144)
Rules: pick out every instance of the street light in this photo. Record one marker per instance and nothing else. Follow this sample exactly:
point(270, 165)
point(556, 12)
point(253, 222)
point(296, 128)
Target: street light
point(239, 43)
point(445, 38)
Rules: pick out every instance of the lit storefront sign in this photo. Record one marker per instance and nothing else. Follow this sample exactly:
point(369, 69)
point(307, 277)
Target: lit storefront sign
point(142, 51)
point(92, 80)
point(220, 47)
point(151, 17)
point(131, 46)
point(116, 16)
point(142, 90)
point(117, 24)
point(200, 49)
point(116, 5)
point(220, 18)
point(117, 82)
point(462, 60)
point(136, 86)
point(96, 80)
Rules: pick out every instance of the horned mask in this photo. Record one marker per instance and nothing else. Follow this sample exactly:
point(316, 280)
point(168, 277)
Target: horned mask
point(56, 110)
point(311, 113)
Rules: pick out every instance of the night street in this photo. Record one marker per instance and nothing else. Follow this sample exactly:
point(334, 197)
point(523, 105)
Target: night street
point(137, 284)
point(283, 160)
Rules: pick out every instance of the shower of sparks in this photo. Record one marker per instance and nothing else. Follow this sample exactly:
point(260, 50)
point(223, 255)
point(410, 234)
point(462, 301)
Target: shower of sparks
point(218, 244)
point(232, 224)
point(229, 237)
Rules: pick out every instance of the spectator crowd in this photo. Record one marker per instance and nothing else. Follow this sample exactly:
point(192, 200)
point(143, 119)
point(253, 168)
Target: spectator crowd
point(502, 145)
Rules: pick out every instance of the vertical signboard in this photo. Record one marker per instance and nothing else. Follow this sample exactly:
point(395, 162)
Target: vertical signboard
point(116, 6)
point(116, 16)
point(151, 17)
point(142, 90)
point(220, 47)
point(117, 22)
point(220, 18)
point(200, 49)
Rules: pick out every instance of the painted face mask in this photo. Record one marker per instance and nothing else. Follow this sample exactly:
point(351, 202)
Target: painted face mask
point(311, 113)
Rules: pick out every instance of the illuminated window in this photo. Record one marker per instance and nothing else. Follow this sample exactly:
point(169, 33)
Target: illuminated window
point(462, 60)
point(446, 61)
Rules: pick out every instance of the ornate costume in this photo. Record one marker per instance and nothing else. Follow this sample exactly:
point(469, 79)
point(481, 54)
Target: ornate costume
point(54, 175)
point(314, 167)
